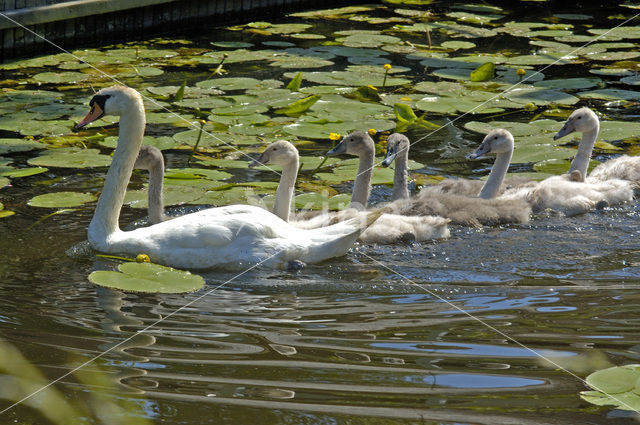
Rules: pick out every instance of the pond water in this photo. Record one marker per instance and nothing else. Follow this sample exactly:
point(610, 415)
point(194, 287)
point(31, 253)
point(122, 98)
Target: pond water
point(460, 331)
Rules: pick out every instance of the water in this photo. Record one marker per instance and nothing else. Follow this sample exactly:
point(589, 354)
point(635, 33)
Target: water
point(455, 332)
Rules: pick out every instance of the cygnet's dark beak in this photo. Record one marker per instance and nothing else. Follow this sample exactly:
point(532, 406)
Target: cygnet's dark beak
point(388, 159)
point(340, 148)
point(567, 128)
point(259, 161)
point(481, 150)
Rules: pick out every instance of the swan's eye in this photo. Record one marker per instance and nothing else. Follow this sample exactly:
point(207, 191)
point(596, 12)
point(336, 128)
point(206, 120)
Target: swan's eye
point(495, 137)
point(579, 117)
point(275, 149)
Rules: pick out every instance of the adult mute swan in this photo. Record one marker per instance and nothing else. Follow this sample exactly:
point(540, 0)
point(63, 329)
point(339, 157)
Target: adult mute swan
point(585, 121)
point(457, 199)
point(557, 193)
point(388, 228)
point(236, 236)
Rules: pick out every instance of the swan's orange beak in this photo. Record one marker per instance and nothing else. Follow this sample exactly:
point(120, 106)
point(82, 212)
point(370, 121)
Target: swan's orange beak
point(95, 113)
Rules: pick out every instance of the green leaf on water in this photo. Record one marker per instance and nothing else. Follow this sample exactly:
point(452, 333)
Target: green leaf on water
point(148, 277)
point(618, 386)
point(180, 93)
point(294, 84)
point(404, 113)
point(484, 72)
point(61, 199)
point(71, 158)
point(299, 106)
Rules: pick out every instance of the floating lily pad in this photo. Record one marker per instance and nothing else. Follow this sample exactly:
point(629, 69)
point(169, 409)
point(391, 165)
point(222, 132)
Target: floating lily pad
point(68, 77)
point(231, 44)
point(61, 199)
point(71, 158)
point(19, 145)
point(540, 96)
point(617, 386)
point(162, 143)
point(570, 83)
point(321, 201)
point(148, 277)
point(610, 94)
point(351, 78)
point(21, 172)
point(239, 83)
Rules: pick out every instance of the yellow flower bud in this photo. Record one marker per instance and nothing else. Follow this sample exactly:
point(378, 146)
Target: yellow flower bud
point(334, 136)
point(530, 107)
point(372, 131)
point(202, 122)
point(143, 258)
point(520, 72)
point(387, 66)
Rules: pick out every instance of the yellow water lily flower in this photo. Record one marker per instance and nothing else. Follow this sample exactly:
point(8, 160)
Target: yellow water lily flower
point(387, 66)
point(520, 72)
point(372, 87)
point(143, 258)
point(372, 131)
point(334, 136)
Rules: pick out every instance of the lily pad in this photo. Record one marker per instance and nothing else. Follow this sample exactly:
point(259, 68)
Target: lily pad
point(148, 277)
point(68, 77)
point(61, 199)
point(321, 201)
point(239, 83)
point(71, 158)
point(610, 94)
point(570, 83)
point(617, 386)
point(19, 145)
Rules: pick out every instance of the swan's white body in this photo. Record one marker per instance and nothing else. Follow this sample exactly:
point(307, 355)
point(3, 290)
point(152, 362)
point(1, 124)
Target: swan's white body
point(388, 228)
point(585, 121)
point(226, 237)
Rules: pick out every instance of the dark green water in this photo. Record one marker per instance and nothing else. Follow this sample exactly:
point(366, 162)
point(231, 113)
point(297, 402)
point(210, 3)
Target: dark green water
point(451, 332)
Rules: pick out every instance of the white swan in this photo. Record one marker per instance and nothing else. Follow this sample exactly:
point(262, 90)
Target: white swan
point(558, 193)
point(389, 228)
point(457, 199)
point(585, 121)
point(150, 158)
point(230, 237)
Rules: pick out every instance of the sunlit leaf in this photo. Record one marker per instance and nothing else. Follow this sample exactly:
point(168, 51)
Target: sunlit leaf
point(147, 277)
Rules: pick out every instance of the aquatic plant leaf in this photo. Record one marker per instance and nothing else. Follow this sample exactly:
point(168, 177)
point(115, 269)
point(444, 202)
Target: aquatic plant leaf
point(71, 158)
point(294, 84)
point(618, 386)
point(484, 72)
point(162, 143)
point(239, 83)
point(148, 277)
point(4, 182)
point(61, 199)
point(68, 77)
point(19, 145)
point(540, 96)
point(299, 106)
point(569, 83)
point(456, 45)
point(321, 201)
point(404, 113)
point(352, 78)
point(610, 94)
point(22, 172)
point(231, 44)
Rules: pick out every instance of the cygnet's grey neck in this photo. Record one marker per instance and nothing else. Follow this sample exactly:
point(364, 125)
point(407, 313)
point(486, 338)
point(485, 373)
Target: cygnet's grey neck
point(585, 148)
point(362, 185)
point(284, 193)
point(496, 176)
point(401, 176)
point(156, 200)
point(131, 130)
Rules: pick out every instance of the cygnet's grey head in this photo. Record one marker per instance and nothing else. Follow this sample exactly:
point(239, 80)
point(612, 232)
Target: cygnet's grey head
point(497, 141)
point(581, 120)
point(358, 143)
point(149, 157)
point(279, 152)
point(114, 100)
point(396, 143)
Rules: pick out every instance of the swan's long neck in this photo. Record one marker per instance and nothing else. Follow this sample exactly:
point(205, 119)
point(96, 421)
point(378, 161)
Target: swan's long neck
point(362, 185)
point(284, 193)
point(581, 160)
point(156, 201)
point(496, 176)
point(401, 176)
point(105, 218)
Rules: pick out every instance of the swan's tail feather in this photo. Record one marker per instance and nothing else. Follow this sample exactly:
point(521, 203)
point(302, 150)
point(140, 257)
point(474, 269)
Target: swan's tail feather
point(335, 240)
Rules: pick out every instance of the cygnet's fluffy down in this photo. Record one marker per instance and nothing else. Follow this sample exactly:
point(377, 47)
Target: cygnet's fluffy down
point(466, 210)
point(388, 229)
point(561, 194)
point(624, 167)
